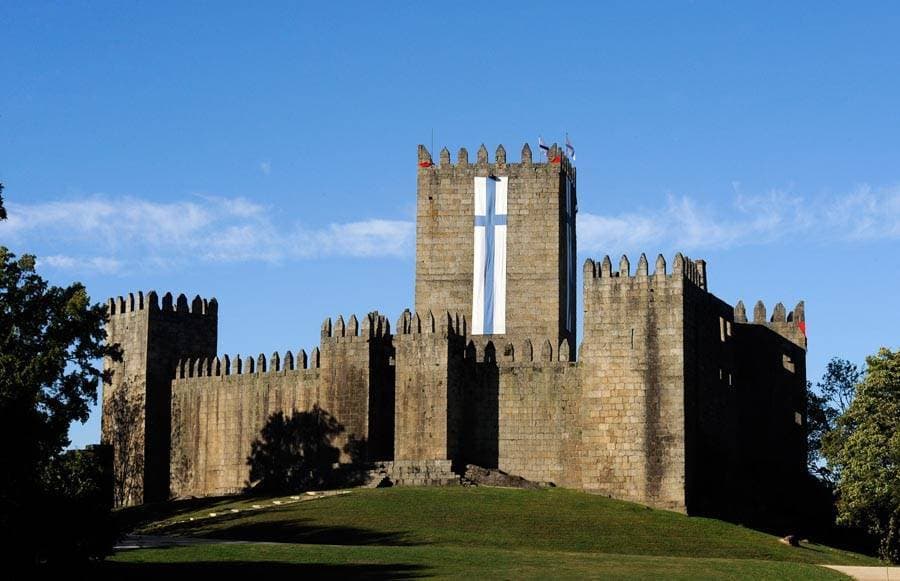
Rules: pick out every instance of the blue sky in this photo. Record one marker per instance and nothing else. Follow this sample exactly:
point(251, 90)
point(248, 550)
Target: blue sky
point(266, 154)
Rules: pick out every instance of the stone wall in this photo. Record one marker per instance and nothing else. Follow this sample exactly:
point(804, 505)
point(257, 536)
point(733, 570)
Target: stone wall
point(521, 410)
point(124, 398)
point(633, 381)
point(676, 401)
point(536, 296)
point(216, 418)
point(712, 464)
point(220, 406)
point(539, 430)
point(771, 382)
point(673, 397)
point(428, 388)
point(136, 403)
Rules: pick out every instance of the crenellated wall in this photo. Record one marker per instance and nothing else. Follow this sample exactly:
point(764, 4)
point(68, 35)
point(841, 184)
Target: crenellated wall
point(221, 404)
point(680, 395)
point(218, 410)
point(770, 362)
point(519, 403)
point(676, 400)
point(136, 400)
point(429, 375)
point(633, 379)
point(538, 297)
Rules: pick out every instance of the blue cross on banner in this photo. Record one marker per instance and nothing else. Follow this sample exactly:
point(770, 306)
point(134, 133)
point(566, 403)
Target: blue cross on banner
point(489, 273)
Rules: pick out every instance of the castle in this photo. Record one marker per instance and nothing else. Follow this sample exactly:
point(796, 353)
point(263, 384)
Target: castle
point(674, 399)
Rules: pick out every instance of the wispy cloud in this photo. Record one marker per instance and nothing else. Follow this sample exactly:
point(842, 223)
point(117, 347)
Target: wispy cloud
point(100, 264)
point(109, 234)
point(861, 215)
point(106, 234)
point(265, 167)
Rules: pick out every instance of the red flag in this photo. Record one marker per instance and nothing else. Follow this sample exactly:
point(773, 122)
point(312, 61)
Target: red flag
point(425, 163)
point(802, 325)
point(557, 159)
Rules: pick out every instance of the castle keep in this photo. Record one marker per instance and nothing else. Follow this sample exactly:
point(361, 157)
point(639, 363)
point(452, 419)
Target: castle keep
point(674, 398)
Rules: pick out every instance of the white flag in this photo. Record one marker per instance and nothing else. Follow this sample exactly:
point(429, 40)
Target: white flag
point(489, 272)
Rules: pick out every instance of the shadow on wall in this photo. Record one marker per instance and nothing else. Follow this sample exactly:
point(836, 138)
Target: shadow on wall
point(481, 409)
point(297, 452)
point(127, 438)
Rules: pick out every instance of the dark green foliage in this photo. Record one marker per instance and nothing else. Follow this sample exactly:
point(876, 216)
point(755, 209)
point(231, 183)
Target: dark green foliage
point(50, 340)
point(2, 209)
point(820, 417)
point(294, 453)
point(75, 507)
point(839, 383)
point(824, 404)
point(864, 448)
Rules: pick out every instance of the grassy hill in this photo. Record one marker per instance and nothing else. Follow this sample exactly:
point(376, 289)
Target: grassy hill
point(416, 532)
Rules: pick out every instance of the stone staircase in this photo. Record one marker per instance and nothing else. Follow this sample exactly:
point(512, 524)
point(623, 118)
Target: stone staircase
point(415, 473)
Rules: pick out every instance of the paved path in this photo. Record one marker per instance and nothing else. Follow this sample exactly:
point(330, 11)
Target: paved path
point(869, 573)
point(131, 542)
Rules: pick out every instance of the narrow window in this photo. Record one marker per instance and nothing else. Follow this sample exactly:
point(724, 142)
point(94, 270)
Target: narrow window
point(730, 380)
point(728, 328)
point(787, 362)
point(632, 337)
point(722, 329)
point(798, 418)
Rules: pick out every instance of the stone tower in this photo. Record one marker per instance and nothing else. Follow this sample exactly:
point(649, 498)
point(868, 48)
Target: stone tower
point(137, 400)
point(496, 240)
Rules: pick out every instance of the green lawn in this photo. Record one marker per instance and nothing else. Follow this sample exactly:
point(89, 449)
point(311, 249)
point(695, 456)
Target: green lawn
point(416, 532)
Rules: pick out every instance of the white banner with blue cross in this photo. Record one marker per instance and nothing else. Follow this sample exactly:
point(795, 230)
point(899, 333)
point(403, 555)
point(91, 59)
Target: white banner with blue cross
point(489, 274)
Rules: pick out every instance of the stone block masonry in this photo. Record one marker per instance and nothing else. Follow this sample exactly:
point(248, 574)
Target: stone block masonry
point(220, 405)
point(137, 400)
point(429, 376)
point(538, 296)
point(673, 399)
point(633, 381)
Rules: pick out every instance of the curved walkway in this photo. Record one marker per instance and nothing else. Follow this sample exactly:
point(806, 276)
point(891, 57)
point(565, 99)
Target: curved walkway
point(868, 573)
point(132, 542)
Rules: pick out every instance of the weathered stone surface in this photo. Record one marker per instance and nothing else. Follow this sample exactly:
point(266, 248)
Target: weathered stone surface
point(136, 401)
point(492, 477)
point(539, 302)
point(675, 400)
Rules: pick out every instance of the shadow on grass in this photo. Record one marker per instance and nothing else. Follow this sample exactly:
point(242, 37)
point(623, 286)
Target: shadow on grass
point(236, 527)
point(228, 569)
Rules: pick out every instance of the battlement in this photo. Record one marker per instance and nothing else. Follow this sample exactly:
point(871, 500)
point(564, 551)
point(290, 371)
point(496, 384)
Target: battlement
point(691, 270)
point(132, 303)
point(556, 160)
point(197, 367)
point(779, 314)
point(527, 353)
point(373, 325)
point(790, 325)
point(413, 323)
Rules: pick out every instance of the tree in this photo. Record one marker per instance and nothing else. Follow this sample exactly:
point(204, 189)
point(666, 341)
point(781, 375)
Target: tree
point(839, 383)
point(2, 209)
point(50, 339)
point(824, 404)
point(820, 418)
point(865, 449)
